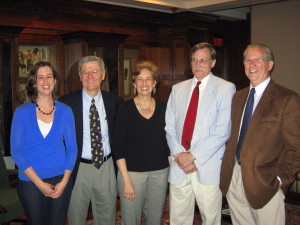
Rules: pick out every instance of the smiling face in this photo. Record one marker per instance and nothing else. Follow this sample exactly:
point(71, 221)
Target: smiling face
point(91, 77)
point(144, 82)
point(257, 68)
point(45, 81)
point(202, 63)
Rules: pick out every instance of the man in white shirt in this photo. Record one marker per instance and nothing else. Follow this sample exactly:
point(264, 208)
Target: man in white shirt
point(197, 147)
point(262, 157)
point(92, 184)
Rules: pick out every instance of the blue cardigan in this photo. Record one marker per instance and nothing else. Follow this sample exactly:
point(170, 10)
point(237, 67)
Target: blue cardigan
point(49, 156)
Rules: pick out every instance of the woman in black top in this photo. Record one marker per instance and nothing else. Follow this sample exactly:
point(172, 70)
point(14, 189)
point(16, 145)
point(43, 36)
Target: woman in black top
point(141, 151)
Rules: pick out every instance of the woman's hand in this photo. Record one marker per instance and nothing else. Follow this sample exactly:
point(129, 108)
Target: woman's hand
point(59, 189)
point(46, 188)
point(129, 192)
point(170, 159)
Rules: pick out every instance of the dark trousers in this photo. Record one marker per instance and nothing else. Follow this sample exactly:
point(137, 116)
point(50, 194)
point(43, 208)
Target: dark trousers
point(41, 210)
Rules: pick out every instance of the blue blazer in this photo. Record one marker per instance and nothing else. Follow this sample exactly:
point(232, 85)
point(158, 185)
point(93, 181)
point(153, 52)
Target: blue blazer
point(212, 128)
point(74, 100)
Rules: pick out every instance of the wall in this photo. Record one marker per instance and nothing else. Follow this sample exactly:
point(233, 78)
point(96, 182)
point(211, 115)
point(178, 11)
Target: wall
point(277, 25)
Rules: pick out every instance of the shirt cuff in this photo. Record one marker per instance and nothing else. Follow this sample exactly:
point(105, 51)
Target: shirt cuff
point(279, 179)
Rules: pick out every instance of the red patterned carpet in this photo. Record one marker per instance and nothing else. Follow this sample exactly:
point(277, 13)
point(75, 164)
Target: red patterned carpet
point(292, 214)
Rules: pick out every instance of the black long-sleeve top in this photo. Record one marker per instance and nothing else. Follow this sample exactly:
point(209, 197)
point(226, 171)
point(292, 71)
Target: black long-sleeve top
point(142, 142)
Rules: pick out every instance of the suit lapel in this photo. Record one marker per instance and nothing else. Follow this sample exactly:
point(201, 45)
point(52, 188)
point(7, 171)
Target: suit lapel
point(78, 108)
point(238, 104)
point(185, 97)
point(263, 104)
point(204, 105)
point(208, 96)
point(109, 110)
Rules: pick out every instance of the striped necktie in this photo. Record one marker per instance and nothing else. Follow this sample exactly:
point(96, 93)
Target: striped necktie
point(190, 119)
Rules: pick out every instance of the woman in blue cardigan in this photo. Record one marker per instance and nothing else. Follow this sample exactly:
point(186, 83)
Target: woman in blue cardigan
point(43, 145)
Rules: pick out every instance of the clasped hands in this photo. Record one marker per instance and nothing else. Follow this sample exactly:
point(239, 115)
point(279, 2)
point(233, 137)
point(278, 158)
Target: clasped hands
point(185, 161)
point(52, 191)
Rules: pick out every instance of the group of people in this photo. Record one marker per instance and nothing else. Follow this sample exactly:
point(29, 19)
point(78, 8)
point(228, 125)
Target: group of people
point(86, 147)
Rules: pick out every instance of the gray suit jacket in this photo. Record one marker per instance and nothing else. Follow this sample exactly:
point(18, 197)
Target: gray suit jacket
point(212, 128)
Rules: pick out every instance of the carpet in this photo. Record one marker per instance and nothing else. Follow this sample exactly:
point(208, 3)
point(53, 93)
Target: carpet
point(292, 215)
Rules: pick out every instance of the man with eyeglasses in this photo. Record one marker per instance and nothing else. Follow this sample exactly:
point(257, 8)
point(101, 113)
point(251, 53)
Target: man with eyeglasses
point(263, 153)
point(94, 175)
point(197, 127)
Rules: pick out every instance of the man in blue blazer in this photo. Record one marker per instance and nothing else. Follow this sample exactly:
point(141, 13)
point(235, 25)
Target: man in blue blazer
point(195, 165)
point(97, 186)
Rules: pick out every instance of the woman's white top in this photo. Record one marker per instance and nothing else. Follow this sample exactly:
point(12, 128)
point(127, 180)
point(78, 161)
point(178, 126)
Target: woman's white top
point(44, 127)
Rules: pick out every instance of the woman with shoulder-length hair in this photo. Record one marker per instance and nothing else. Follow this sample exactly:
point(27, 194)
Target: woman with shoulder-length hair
point(43, 146)
point(141, 151)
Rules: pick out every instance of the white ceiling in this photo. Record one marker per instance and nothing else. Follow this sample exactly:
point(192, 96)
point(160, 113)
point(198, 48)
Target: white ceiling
point(228, 9)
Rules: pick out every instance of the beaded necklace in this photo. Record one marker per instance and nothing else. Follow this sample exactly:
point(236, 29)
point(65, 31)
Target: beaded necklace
point(47, 114)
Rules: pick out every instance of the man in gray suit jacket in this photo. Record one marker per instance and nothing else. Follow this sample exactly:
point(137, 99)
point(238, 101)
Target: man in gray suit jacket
point(197, 153)
point(97, 186)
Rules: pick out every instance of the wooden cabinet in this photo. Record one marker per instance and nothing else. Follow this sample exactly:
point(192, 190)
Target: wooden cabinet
point(106, 46)
point(8, 83)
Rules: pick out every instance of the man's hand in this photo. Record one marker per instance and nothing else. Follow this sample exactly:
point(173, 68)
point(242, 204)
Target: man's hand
point(190, 169)
point(185, 161)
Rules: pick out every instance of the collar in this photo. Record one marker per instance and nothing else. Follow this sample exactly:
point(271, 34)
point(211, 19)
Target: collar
point(259, 89)
point(88, 98)
point(204, 81)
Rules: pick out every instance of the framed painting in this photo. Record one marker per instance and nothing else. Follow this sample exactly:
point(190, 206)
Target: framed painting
point(30, 54)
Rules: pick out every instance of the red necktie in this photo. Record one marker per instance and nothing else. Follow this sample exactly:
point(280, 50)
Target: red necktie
point(190, 119)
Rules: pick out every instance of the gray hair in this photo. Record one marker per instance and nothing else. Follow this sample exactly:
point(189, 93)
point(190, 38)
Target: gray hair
point(91, 58)
point(213, 54)
point(268, 53)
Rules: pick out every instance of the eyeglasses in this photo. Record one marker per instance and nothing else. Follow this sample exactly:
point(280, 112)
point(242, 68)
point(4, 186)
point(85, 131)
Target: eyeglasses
point(256, 60)
point(201, 61)
point(86, 73)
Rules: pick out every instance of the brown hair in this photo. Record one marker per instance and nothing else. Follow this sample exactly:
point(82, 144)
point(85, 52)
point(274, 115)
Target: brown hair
point(203, 45)
point(148, 65)
point(31, 82)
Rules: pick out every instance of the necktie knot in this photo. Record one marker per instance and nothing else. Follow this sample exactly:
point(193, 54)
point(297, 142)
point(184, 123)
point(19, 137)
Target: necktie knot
point(93, 101)
point(196, 89)
point(252, 91)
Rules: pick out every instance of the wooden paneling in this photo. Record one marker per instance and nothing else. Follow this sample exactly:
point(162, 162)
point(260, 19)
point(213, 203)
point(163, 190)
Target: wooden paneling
point(161, 57)
point(163, 90)
point(158, 55)
point(73, 53)
point(163, 38)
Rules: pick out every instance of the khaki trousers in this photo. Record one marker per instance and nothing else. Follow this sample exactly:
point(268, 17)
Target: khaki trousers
point(98, 186)
point(182, 202)
point(150, 197)
point(273, 213)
